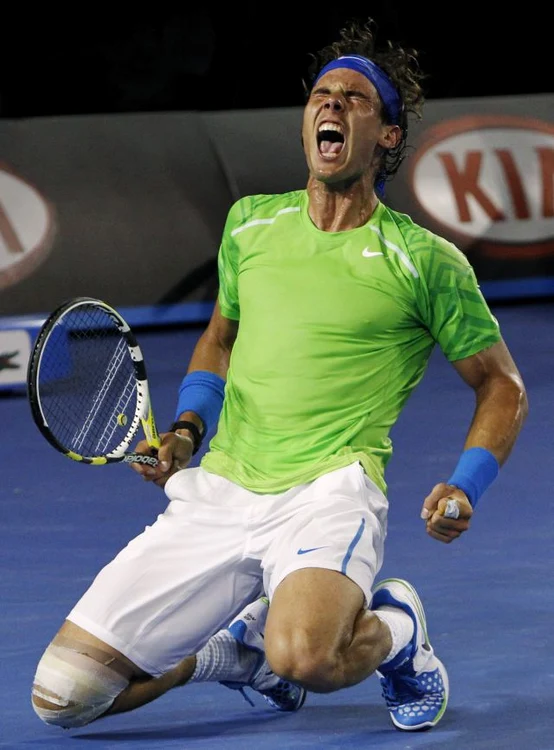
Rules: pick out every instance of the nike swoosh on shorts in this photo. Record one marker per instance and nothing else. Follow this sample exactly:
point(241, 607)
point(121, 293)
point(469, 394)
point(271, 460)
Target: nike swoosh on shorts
point(311, 549)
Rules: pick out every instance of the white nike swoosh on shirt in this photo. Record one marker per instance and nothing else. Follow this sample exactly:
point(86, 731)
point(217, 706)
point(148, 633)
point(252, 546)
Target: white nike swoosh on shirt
point(368, 254)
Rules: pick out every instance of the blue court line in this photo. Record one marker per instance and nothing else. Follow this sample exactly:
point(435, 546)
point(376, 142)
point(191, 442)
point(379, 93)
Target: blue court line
point(137, 315)
point(506, 289)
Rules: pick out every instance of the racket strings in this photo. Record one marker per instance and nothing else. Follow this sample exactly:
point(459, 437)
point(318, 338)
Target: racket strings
point(87, 383)
point(101, 404)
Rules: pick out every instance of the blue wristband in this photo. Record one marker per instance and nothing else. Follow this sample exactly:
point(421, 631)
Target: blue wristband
point(476, 471)
point(202, 392)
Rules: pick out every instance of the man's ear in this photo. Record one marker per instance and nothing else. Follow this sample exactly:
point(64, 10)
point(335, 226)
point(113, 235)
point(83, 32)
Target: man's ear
point(390, 137)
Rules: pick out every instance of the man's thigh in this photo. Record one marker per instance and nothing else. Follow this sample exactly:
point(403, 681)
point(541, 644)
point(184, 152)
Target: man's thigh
point(163, 596)
point(317, 606)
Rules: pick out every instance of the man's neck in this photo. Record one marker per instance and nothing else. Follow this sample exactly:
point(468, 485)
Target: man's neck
point(337, 209)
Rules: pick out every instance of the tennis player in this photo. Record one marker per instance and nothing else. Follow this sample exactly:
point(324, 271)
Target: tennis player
point(262, 571)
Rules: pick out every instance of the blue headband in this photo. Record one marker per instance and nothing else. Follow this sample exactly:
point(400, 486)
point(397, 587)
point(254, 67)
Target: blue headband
point(385, 87)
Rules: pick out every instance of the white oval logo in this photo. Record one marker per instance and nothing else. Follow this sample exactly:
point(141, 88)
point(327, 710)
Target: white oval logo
point(26, 228)
point(489, 177)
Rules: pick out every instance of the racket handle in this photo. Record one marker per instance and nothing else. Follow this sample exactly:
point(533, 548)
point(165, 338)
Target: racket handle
point(140, 458)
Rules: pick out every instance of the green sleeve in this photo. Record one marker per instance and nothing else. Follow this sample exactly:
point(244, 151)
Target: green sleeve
point(228, 265)
point(452, 305)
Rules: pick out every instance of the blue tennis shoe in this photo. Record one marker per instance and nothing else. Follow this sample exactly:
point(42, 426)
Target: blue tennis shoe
point(415, 682)
point(248, 629)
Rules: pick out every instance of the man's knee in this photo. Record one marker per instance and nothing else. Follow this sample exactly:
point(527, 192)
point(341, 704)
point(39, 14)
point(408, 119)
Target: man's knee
point(305, 659)
point(71, 688)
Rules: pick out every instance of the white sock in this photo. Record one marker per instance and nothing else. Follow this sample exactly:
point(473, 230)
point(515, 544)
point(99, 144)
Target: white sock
point(222, 658)
point(401, 628)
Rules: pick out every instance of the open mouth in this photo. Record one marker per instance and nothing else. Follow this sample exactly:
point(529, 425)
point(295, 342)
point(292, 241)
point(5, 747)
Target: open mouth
point(330, 139)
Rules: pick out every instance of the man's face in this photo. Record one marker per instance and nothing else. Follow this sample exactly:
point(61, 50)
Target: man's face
point(342, 126)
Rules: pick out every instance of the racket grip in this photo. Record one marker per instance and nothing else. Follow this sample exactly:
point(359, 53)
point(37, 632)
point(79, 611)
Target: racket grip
point(140, 458)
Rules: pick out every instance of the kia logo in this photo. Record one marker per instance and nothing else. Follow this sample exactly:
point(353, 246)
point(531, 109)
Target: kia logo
point(489, 178)
point(26, 228)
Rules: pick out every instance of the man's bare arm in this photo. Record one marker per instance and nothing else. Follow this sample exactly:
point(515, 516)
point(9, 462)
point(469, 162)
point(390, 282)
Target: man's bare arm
point(500, 411)
point(213, 349)
point(501, 399)
point(212, 352)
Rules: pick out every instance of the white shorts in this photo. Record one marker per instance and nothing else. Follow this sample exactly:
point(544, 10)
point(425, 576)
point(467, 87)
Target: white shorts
point(217, 547)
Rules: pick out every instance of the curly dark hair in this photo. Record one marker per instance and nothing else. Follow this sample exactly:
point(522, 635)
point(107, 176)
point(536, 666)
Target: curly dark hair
point(400, 64)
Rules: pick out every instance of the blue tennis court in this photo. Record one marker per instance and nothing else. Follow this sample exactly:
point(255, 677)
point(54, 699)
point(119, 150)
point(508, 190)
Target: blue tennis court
point(489, 597)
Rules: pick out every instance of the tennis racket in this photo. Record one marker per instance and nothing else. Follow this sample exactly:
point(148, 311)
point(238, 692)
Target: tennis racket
point(87, 385)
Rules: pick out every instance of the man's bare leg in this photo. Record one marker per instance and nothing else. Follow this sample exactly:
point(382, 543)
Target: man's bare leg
point(102, 681)
point(318, 633)
point(142, 688)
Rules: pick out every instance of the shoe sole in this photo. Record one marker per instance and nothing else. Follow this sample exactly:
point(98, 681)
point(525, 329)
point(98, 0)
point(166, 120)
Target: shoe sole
point(440, 666)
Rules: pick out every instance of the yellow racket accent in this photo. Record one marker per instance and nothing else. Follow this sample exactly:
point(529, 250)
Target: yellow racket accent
point(97, 461)
point(150, 430)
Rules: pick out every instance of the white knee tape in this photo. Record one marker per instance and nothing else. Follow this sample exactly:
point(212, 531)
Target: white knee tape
point(83, 688)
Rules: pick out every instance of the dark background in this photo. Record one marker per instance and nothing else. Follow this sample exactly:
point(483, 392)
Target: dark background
point(96, 59)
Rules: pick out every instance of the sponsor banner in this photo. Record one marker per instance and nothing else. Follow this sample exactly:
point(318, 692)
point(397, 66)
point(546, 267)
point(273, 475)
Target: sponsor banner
point(15, 350)
point(130, 208)
point(26, 228)
point(482, 175)
point(139, 203)
point(487, 181)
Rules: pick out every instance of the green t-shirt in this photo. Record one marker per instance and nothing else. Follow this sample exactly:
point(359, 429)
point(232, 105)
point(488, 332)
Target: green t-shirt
point(336, 330)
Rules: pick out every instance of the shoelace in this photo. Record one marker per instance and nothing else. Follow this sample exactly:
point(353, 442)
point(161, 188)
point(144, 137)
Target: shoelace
point(398, 689)
point(275, 694)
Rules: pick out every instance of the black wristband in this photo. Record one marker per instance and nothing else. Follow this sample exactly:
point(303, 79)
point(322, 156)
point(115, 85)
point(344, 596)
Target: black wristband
point(194, 431)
